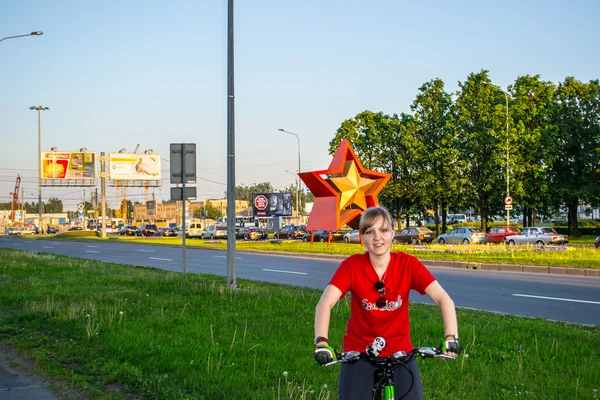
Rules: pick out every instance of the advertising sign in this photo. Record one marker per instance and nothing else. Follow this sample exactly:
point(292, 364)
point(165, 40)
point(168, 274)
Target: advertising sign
point(271, 204)
point(68, 165)
point(137, 167)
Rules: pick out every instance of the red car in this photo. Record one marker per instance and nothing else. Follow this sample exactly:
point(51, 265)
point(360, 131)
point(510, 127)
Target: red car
point(497, 234)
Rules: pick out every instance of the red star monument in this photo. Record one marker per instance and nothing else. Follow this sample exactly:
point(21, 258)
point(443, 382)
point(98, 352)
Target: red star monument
point(343, 191)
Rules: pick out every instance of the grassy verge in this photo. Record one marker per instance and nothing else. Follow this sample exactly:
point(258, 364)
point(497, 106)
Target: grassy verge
point(119, 332)
point(559, 256)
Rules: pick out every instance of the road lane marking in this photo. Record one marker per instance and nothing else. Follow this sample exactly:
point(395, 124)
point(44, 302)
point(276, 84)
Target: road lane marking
point(92, 251)
point(48, 247)
point(237, 258)
point(556, 298)
point(160, 259)
point(146, 251)
point(285, 272)
point(91, 245)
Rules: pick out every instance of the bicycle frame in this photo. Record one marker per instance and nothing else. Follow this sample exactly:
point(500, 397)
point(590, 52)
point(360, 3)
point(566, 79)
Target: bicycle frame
point(386, 367)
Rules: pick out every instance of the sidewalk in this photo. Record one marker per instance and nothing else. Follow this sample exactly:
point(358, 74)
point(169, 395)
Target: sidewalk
point(17, 386)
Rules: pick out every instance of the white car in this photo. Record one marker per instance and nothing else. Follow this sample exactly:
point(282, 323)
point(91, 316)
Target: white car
point(352, 237)
point(538, 236)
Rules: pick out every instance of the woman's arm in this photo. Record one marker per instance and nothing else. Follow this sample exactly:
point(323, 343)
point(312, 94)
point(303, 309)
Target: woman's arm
point(446, 305)
point(329, 298)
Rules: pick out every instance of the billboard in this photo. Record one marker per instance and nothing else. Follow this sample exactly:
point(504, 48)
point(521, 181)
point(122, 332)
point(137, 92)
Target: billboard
point(131, 166)
point(271, 204)
point(68, 165)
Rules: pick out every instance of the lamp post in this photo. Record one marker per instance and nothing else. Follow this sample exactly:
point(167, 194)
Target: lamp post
point(297, 191)
point(299, 168)
point(36, 33)
point(507, 166)
point(39, 109)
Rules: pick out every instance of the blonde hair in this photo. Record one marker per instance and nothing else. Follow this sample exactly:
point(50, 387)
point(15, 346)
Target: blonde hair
point(370, 215)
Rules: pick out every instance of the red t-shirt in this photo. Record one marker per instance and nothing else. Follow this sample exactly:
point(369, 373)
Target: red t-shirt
point(357, 276)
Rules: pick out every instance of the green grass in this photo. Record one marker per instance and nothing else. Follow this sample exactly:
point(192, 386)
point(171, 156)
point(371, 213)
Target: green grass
point(559, 256)
point(158, 334)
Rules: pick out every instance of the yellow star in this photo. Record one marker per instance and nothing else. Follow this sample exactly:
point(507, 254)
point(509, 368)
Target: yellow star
point(352, 186)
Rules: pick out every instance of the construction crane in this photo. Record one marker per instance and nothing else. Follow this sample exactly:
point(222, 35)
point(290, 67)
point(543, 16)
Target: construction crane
point(15, 201)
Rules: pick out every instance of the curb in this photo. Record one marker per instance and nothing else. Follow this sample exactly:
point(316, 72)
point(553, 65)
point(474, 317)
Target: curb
point(532, 269)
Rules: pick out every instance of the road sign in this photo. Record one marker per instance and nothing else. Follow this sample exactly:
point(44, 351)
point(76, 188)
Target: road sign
point(508, 201)
point(80, 206)
point(190, 193)
point(508, 207)
point(183, 162)
point(261, 202)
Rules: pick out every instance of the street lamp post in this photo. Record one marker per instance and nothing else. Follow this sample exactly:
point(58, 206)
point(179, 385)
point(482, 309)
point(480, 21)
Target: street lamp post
point(507, 165)
point(36, 33)
point(39, 109)
point(299, 168)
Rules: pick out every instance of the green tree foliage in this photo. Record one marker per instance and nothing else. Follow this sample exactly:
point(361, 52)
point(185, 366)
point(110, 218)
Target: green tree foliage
point(481, 141)
point(440, 165)
point(208, 211)
point(575, 171)
point(531, 146)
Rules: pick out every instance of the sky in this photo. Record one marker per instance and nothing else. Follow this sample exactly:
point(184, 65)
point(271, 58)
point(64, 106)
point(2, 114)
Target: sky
point(116, 74)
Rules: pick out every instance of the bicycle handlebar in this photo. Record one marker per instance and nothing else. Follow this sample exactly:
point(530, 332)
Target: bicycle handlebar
point(400, 357)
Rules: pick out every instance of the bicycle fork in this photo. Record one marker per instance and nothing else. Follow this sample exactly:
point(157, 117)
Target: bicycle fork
point(389, 390)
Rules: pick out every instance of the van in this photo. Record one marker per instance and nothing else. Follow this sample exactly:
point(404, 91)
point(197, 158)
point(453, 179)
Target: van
point(457, 218)
point(195, 229)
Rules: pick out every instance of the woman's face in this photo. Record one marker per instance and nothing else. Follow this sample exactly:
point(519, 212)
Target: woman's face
point(378, 238)
point(273, 201)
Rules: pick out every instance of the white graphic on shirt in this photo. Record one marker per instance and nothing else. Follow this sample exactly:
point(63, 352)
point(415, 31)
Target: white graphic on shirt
point(390, 306)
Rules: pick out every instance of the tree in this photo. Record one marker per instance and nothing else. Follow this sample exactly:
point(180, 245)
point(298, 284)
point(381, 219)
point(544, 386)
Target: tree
point(440, 164)
point(481, 140)
point(207, 211)
point(531, 145)
point(575, 170)
point(400, 153)
point(53, 205)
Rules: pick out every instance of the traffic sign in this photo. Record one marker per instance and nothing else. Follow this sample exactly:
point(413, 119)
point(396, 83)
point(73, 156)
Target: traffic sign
point(80, 206)
point(260, 202)
point(508, 207)
point(508, 201)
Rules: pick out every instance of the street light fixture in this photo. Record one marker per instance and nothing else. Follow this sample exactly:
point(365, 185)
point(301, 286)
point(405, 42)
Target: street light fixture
point(36, 33)
point(39, 109)
point(507, 199)
point(299, 168)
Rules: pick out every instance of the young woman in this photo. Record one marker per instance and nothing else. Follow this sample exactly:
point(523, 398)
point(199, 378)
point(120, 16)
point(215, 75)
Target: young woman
point(379, 282)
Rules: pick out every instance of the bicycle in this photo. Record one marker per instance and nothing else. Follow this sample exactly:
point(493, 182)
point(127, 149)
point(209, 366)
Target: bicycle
point(384, 378)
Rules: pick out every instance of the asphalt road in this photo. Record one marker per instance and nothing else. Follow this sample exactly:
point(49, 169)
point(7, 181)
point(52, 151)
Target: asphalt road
point(555, 297)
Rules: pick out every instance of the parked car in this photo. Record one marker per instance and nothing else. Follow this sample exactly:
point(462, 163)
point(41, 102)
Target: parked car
point(539, 236)
point(497, 234)
point(290, 232)
point(323, 235)
point(75, 228)
point(464, 235)
point(12, 231)
point(414, 235)
point(167, 232)
point(352, 236)
point(128, 230)
point(597, 244)
point(147, 230)
point(253, 233)
point(215, 232)
point(51, 230)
